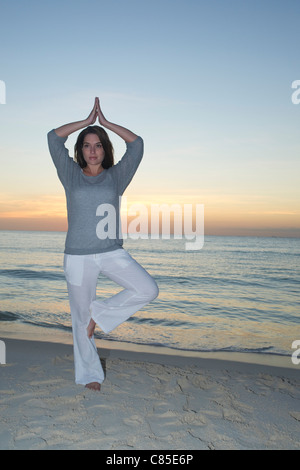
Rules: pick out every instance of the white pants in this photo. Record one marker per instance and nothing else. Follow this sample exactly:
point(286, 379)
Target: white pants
point(82, 272)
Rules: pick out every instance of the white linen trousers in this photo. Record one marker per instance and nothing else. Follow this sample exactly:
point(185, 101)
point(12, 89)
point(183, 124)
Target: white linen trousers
point(82, 273)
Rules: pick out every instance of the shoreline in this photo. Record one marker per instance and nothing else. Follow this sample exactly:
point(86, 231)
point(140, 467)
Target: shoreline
point(151, 399)
point(27, 332)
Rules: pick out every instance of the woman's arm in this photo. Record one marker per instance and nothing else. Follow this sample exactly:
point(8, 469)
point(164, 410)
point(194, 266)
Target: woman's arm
point(122, 132)
point(67, 129)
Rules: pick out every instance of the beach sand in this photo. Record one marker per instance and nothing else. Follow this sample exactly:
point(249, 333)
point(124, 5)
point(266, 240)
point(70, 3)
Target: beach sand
point(152, 398)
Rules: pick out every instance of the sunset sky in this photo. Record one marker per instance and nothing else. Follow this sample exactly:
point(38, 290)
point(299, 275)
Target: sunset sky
point(207, 84)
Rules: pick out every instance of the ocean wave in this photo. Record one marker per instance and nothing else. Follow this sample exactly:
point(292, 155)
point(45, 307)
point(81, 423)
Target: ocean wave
point(161, 322)
point(269, 350)
point(32, 274)
point(9, 316)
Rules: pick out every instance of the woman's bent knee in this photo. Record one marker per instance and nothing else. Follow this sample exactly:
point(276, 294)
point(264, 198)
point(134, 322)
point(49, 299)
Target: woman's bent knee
point(152, 291)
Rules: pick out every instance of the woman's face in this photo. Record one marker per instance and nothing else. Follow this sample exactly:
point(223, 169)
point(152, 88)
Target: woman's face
point(92, 150)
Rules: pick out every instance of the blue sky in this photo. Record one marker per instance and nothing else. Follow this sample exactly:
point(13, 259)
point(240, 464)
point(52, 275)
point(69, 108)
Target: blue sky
point(207, 84)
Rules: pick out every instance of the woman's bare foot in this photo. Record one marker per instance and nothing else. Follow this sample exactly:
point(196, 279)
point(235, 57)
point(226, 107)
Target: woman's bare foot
point(91, 328)
point(94, 386)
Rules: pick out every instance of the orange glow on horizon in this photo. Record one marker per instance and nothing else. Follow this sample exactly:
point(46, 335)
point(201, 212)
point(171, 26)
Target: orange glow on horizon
point(222, 216)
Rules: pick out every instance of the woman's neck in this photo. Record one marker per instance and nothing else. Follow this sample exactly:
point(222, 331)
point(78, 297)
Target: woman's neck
point(93, 170)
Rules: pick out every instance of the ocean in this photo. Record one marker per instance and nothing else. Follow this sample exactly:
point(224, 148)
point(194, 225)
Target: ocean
point(238, 294)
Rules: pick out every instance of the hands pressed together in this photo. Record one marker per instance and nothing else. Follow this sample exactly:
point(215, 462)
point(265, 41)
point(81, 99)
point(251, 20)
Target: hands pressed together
point(96, 113)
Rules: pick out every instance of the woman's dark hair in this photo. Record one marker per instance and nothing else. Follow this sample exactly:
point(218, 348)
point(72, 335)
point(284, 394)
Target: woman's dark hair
point(106, 143)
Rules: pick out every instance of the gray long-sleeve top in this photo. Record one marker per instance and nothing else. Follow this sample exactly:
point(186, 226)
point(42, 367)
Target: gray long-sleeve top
point(93, 202)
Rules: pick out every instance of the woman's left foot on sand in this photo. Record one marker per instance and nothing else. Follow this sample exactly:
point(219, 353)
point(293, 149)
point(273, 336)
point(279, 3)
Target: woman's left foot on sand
point(94, 386)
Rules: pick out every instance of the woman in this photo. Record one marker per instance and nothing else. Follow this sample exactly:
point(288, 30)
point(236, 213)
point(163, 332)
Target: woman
point(93, 185)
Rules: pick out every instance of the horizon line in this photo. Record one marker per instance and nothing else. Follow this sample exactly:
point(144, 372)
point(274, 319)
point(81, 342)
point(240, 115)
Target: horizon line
point(254, 235)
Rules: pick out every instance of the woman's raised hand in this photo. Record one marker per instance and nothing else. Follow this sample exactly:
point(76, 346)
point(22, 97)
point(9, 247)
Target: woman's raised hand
point(101, 118)
point(96, 113)
point(122, 132)
point(67, 129)
point(93, 114)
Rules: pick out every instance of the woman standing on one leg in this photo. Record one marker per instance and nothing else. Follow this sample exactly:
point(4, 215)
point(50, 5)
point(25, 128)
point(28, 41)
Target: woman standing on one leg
point(93, 185)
